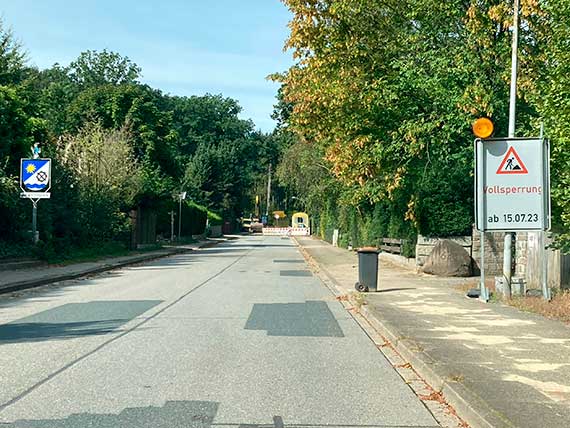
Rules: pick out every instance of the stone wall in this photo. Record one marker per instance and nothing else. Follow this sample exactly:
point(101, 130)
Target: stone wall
point(527, 257)
point(521, 253)
point(494, 244)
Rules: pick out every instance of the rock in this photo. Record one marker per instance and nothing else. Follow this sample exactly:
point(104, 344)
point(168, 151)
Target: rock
point(448, 259)
point(533, 292)
point(474, 293)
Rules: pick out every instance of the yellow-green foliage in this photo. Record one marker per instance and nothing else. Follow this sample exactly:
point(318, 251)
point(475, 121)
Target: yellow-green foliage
point(388, 91)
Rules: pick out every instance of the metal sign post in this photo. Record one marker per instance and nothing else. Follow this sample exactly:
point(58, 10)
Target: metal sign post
point(512, 186)
point(35, 182)
point(35, 237)
point(484, 293)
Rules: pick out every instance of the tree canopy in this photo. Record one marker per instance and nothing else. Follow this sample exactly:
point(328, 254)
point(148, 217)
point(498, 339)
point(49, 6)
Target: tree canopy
point(118, 144)
point(385, 93)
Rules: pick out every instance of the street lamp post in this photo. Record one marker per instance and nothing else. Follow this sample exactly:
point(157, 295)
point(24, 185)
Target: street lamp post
point(508, 242)
point(181, 196)
point(268, 191)
point(172, 226)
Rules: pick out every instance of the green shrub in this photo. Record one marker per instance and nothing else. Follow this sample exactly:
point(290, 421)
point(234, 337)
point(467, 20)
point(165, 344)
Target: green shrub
point(193, 218)
point(214, 219)
point(16, 249)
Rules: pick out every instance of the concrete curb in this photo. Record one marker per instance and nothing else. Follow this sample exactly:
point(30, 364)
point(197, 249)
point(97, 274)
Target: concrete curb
point(468, 405)
point(32, 283)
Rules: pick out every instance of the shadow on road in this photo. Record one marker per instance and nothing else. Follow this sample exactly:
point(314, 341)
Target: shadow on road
point(74, 320)
point(312, 319)
point(191, 414)
point(187, 414)
point(35, 332)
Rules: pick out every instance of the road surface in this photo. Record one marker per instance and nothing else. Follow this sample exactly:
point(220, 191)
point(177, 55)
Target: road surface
point(238, 335)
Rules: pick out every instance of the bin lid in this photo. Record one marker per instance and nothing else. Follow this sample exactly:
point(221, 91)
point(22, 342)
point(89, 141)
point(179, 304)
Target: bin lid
point(368, 250)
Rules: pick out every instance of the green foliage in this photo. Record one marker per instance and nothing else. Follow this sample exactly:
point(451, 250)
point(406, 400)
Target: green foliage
point(444, 207)
point(384, 94)
point(14, 128)
point(9, 210)
point(224, 176)
point(94, 68)
point(102, 162)
point(10, 249)
point(214, 219)
point(12, 57)
point(101, 178)
point(193, 218)
point(552, 97)
point(119, 145)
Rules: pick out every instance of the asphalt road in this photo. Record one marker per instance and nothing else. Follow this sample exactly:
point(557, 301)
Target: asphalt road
point(239, 335)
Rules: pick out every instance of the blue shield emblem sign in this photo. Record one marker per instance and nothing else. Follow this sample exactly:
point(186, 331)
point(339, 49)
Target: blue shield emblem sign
point(35, 175)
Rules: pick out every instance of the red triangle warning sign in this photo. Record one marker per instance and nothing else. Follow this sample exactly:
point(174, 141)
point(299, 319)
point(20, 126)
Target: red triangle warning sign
point(512, 164)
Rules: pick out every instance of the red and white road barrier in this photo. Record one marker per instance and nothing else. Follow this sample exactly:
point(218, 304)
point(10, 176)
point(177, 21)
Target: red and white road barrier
point(286, 231)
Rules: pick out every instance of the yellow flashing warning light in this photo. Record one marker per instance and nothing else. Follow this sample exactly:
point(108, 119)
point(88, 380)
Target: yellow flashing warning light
point(483, 127)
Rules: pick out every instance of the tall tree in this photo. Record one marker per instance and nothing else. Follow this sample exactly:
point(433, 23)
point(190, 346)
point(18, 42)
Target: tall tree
point(94, 68)
point(106, 176)
point(12, 57)
point(552, 97)
point(389, 90)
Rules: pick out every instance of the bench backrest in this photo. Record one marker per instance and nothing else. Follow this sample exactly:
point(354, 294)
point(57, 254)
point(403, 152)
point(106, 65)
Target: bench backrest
point(391, 245)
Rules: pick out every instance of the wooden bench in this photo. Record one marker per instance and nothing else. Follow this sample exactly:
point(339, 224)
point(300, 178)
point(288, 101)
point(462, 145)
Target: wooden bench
point(390, 245)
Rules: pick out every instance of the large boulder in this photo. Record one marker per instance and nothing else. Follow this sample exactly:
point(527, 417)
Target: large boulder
point(448, 259)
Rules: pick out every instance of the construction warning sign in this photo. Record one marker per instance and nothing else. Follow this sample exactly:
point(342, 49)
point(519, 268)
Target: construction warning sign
point(512, 164)
point(512, 184)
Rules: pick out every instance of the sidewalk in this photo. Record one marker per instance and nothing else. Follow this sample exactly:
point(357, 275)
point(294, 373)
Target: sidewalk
point(14, 280)
point(497, 366)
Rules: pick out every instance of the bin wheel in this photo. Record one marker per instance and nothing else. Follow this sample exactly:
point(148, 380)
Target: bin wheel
point(361, 287)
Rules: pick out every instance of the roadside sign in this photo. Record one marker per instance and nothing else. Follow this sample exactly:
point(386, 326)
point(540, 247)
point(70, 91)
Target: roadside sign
point(512, 164)
point(35, 195)
point(512, 184)
point(35, 177)
point(35, 182)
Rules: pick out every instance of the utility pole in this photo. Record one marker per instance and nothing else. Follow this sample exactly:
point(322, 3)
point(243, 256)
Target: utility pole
point(509, 236)
point(181, 196)
point(268, 191)
point(179, 215)
point(546, 294)
point(172, 226)
point(514, 69)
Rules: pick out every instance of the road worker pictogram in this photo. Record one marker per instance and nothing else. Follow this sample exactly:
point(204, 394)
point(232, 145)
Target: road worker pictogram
point(512, 163)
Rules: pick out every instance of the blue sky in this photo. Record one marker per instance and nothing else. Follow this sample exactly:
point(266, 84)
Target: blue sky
point(183, 47)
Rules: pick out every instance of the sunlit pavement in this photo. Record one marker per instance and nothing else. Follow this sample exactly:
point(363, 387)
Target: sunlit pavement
point(238, 335)
point(498, 366)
